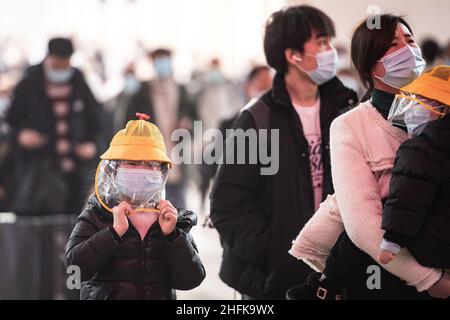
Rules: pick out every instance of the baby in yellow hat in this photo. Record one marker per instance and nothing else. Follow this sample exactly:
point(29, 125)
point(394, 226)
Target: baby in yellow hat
point(130, 243)
point(416, 214)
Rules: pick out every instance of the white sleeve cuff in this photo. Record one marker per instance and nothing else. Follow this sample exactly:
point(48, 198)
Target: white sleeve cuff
point(390, 246)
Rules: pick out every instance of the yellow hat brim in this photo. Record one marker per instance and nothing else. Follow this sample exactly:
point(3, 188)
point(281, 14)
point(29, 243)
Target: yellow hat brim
point(431, 87)
point(136, 153)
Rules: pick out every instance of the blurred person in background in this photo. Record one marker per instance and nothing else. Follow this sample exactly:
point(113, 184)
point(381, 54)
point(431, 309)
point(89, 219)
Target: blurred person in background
point(346, 73)
point(218, 99)
point(446, 55)
point(431, 52)
point(171, 107)
point(56, 132)
point(6, 87)
point(258, 81)
point(117, 107)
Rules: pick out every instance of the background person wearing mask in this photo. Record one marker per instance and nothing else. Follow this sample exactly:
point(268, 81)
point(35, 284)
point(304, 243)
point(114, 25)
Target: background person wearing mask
point(56, 126)
point(218, 99)
point(117, 107)
point(170, 107)
point(258, 216)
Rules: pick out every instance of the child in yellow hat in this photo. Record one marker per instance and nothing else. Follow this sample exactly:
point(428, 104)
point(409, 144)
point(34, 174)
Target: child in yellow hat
point(417, 212)
point(130, 243)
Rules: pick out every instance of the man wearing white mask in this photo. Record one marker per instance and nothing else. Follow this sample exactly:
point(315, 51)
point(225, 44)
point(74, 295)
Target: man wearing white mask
point(258, 216)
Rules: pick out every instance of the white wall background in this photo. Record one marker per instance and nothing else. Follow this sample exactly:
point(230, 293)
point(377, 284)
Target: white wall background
point(426, 17)
point(196, 29)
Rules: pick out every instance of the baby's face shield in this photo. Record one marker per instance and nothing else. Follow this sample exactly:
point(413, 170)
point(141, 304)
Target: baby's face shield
point(140, 183)
point(414, 112)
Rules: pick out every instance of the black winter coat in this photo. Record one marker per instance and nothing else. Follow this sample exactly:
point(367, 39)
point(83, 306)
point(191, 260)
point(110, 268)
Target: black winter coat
point(259, 216)
point(38, 171)
point(417, 212)
point(128, 267)
point(32, 108)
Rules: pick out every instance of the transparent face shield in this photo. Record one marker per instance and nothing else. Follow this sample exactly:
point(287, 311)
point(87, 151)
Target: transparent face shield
point(140, 183)
point(414, 112)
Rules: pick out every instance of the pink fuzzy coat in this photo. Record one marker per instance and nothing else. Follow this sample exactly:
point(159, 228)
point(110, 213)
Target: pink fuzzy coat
point(363, 147)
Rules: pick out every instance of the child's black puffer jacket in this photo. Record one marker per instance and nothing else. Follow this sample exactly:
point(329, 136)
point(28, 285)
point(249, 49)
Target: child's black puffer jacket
point(417, 213)
point(128, 267)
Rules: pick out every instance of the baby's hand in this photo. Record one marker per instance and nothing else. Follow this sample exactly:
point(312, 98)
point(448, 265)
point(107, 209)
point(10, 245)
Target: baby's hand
point(384, 257)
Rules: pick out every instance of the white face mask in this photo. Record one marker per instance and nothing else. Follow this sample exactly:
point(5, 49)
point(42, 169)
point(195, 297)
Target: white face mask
point(402, 67)
point(59, 76)
point(416, 119)
point(327, 62)
point(139, 185)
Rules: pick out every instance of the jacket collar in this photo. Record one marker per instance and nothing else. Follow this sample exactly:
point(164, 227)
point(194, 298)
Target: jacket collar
point(328, 109)
point(280, 94)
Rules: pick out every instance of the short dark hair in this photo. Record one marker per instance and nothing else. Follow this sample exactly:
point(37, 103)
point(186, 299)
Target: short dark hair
point(369, 45)
point(160, 52)
point(255, 71)
point(430, 50)
point(292, 27)
point(60, 47)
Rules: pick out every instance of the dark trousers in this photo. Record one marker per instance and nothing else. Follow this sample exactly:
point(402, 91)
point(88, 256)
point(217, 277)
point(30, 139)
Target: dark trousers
point(354, 268)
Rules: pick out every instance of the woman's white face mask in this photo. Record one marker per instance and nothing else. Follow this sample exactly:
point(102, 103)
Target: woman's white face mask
point(402, 67)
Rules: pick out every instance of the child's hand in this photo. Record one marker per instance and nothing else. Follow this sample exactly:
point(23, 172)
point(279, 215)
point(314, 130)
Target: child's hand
point(168, 216)
point(384, 257)
point(120, 214)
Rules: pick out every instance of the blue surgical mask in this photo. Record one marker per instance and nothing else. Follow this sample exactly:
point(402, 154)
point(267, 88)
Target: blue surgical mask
point(402, 67)
point(216, 77)
point(131, 84)
point(163, 67)
point(327, 62)
point(59, 76)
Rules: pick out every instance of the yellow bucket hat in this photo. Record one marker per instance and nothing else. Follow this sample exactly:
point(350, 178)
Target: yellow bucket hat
point(433, 84)
point(141, 140)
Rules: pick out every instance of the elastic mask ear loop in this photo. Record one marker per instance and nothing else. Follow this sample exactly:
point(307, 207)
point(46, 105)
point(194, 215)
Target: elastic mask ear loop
point(423, 104)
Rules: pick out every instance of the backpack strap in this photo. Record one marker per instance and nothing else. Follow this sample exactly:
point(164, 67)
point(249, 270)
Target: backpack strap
point(260, 112)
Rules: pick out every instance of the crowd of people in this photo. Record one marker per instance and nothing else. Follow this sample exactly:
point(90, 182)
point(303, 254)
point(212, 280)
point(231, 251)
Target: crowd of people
point(363, 179)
